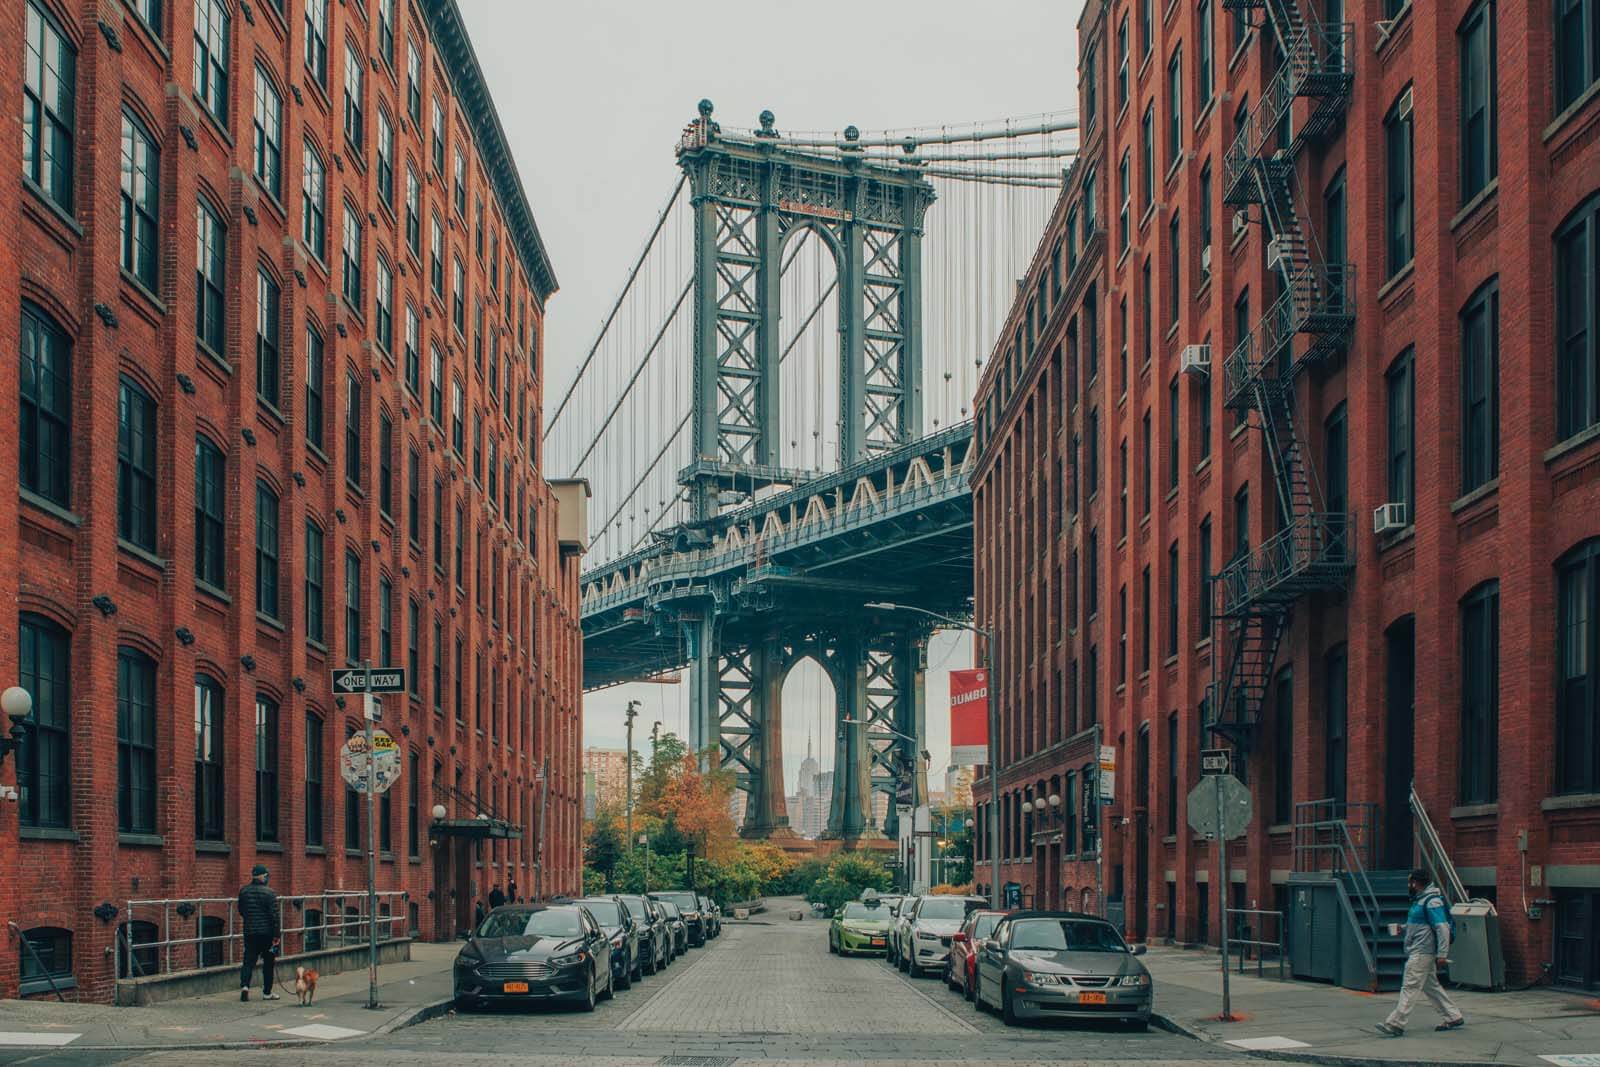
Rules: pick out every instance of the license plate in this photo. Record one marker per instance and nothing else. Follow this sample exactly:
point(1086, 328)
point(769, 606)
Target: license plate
point(522, 987)
point(1091, 998)
point(877, 942)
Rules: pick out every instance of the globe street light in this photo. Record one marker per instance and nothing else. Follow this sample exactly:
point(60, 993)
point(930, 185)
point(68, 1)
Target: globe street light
point(990, 640)
point(17, 703)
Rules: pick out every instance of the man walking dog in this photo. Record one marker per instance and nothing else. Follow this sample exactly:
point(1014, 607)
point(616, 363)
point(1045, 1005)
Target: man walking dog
point(1427, 951)
point(258, 915)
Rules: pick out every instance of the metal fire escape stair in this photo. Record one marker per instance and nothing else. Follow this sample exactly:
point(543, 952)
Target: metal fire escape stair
point(1309, 553)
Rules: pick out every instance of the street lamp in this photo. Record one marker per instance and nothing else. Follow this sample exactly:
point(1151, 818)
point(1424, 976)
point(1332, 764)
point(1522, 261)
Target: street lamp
point(17, 703)
point(990, 641)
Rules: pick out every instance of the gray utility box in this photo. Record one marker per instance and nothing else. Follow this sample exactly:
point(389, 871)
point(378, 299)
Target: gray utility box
point(1314, 927)
point(1475, 958)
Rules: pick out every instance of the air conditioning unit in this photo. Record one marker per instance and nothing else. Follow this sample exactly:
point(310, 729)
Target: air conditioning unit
point(1387, 518)
point(1275, 254)
point(1241, 220)
point(1205, 260)
point(1196, 359)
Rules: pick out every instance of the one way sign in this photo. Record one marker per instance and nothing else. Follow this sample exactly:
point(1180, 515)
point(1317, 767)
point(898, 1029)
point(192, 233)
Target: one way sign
point(384, 680)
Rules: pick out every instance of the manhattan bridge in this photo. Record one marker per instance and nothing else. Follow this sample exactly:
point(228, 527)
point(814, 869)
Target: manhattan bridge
point(775, 417)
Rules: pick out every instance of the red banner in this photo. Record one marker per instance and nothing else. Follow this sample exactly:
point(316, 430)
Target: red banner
point(969, 717)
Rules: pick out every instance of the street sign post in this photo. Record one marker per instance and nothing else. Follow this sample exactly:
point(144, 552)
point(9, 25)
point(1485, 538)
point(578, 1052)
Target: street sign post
point(1219, 809)
point(363, 775)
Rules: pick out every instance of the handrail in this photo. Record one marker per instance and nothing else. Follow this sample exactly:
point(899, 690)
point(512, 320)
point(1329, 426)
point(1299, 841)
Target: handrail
point(1434, 856)
point(1259, 943)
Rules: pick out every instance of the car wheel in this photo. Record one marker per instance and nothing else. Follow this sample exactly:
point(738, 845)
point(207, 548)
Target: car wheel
point(906, 965)
point(611, 984)
point(1007, 1012)
point(833, 948)
point(949, 976)
point(626, 981)
point(977, 994)
point(588, 1001)
point(637, 974)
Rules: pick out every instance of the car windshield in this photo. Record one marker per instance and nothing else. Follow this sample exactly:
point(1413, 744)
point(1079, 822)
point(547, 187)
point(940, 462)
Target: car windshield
point(636, 908)
point(858, 910)
point(669, 907)
point(547, 922)
point(685, 901)
point(605, 912)
point(943, 908)
point(1068, 935)
point(984, 926)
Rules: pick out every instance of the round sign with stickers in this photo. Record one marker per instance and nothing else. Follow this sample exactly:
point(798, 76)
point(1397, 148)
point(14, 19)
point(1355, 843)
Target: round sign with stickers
point(385, 761)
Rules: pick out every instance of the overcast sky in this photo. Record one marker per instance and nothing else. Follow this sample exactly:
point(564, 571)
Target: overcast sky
point(593, 96)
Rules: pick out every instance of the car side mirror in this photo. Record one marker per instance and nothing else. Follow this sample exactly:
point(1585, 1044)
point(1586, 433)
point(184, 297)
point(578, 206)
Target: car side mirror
point(1139, 950)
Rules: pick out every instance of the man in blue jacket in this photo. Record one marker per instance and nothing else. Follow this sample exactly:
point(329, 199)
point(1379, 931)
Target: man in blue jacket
point(1427, 952)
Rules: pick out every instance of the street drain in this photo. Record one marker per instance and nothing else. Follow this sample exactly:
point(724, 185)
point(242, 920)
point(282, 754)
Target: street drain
point(697, 1061)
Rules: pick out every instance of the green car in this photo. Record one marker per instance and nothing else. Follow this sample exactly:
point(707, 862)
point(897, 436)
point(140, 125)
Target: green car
point(860, 927)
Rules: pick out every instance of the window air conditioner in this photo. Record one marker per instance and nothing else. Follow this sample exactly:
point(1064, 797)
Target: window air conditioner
point(1196, 359)
point(1275, 254)
point(1241, 219)
point(1205, 260)
point(1387, 518)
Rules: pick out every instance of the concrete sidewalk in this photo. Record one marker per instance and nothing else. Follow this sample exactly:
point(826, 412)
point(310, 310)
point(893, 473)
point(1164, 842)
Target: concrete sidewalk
point(1317, 1023)
point(408, 993)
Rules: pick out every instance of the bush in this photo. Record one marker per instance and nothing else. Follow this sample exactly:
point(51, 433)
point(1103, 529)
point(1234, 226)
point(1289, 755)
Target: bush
point(847, 876)
point(948, 890)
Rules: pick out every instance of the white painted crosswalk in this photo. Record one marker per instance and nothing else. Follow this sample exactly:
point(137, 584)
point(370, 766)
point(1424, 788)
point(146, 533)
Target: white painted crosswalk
point(26, 1039)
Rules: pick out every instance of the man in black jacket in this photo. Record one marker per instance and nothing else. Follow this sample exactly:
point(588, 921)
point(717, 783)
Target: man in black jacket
point(258, 915)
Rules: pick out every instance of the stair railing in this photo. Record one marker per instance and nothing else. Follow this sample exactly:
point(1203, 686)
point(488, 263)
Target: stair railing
point(1434, 857)
point(1322, 831)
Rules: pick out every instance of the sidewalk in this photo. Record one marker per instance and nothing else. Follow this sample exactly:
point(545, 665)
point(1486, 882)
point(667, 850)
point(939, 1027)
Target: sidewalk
point(408, 993)
point(1317, 1023)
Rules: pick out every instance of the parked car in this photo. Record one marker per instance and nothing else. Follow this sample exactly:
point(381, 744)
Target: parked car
point(890, 900)
point(679, 927)
point(655, 941)
point(920, 938)
point(527, 953)
point(960, 968)
point(688, 905)
point(617, 924)
point(713, 914)
point(861, 927)
point(1062, 964)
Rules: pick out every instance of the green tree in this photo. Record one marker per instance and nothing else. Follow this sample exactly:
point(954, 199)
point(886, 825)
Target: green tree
point(848, 875)
point(603, 844)
point(958, 845)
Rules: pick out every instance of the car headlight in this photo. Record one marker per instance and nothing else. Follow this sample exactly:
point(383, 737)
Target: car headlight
point(617, 941)
point(569, 961)
point(1135, 979)
point(1036, 978)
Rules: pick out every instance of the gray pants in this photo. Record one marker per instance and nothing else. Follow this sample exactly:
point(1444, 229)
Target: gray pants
point(1421, 979)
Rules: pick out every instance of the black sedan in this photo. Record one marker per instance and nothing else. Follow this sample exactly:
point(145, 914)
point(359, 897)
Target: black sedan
point(713, 914)
point(679, 928)
point(621, 931)
point(655, 940)
point(694, 917)
point(526, 953)
point(1063, 965)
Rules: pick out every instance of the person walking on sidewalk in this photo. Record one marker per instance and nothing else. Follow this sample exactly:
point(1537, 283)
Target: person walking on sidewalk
point(497, 899)
point(258, 915)
point(1427, 951)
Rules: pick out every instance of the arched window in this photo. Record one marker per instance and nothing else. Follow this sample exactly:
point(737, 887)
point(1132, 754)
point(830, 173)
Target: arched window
point(136, 742)
point(45, 433)
point(43, 761)
point(1577, 676)
point(208, 789)
point(266, 768)
point(1577, 331)
point(209, 512)
point(46, 954)
point(136, 465)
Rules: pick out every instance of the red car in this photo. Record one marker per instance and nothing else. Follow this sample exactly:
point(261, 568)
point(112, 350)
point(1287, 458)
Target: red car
point(960, 969)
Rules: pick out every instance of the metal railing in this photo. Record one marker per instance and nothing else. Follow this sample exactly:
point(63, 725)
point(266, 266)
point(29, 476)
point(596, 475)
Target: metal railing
point(1434, 856)
point(1239, 937)
point(164, 936)
point(1311, 546)
point(1332, 835)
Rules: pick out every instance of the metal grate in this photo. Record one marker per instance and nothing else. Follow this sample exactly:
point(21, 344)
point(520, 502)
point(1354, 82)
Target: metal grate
point(503, 969)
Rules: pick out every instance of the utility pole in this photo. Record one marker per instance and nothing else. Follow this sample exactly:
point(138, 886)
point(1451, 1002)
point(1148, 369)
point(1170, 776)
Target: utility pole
point(631, 714)
point(369, 713)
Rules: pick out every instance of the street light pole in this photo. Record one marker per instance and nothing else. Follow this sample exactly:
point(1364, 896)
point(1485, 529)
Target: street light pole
point(991, 641)
point(631, 714)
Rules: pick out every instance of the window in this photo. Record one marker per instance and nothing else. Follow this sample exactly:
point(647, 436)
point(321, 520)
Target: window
point(1480, 387)
point(413, 212)
point(46, 423)
point(413, 807)
point(267, 304)
point(352, 607)
point(314, 387)
point(49, 105)
point(1336, 457)
point(1124, 186)
point(477, 448)
point(210, 255)
point(1241, 522)
point(1146, 460)
point(1398, 207)
point(458, 298)
point(458, 426)
point(1577, 938)
point(317, 40)
point(1476, 42)
point(436, 386)
point(46, 956)
point(413, 648)
point(1480, 694)
point(353, 74)
point(136, 466)
point(385, 158)
point(461, 183)
point(1577, 48)
point(1175, 107)
point(1144, 620)
point(1335, 740)
point(352, 429)
point(1335, 227)
point(383, 305)
point(460, 673)
point(1577, 676)
point(385, 463)
point(313, 789)
point(351, 248)
point(141, 201)
point(1398, 388)
point(438, 667)
point(266, 550)
point(414, 497)
point(313, 212)
point(385, 824)
point(136, 742)
point(1122, 635)
point(211, 57)
point(1205, 214)
point(1092, 449)
point(267, 127)
point(1122, 63)
point(1147, 155)
point(43, 763)
point(438, 525)
point(1203, 600)
point(1174, 273)
point(209, 517)
point(436, 257)
point(413, 345)
point(266, 769)
point(386, 30)
point(1147, 16)
point(385, 621)
point(438, 137)
point(413, 82)
point(1577, 332)
point(314, 583)
point(1207, 61)
point(1283, 747)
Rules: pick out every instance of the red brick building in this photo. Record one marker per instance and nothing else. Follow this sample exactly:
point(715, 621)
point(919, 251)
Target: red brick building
point(1387, 244)
point(279, 300)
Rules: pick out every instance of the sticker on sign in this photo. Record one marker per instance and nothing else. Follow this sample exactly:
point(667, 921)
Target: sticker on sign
point(385, 762)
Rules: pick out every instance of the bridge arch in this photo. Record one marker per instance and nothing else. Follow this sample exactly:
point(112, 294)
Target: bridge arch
point(813, 359)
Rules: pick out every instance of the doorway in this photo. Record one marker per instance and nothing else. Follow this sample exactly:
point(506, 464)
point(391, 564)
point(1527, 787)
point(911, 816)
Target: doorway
point(1400, 742)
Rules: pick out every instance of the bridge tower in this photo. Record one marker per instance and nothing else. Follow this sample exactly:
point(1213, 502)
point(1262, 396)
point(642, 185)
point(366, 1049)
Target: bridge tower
point(750, 195)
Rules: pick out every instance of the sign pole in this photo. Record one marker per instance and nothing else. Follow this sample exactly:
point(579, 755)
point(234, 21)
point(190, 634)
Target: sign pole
point(1222, 897)
point(368, 713)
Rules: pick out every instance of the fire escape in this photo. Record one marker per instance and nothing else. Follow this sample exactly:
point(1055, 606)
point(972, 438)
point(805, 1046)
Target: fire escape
point(1308, 323)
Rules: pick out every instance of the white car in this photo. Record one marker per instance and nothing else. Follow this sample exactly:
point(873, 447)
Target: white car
point(919, 941)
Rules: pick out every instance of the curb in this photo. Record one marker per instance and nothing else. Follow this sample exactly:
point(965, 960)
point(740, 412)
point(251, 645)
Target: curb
point(1328, 1059)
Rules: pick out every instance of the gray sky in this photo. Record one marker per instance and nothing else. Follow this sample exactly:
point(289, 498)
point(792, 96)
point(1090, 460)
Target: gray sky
point(593, 95)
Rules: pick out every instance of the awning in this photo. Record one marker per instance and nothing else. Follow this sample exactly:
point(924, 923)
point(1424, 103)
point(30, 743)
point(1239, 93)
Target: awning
point(477, 829)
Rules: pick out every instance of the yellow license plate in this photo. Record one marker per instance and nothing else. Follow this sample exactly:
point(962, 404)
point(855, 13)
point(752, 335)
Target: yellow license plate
point(1091, 998)
point(522, 987)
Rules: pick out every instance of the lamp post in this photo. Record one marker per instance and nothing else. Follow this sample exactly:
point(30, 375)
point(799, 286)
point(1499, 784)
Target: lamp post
point(17, 703)
point(631, 714)
point(990, 640)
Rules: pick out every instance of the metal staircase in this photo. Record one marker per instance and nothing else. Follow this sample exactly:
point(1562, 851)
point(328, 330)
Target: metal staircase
point(1310, 320)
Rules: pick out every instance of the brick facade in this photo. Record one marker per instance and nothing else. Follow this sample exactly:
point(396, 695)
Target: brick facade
point(1404, 607)
point(513, 603)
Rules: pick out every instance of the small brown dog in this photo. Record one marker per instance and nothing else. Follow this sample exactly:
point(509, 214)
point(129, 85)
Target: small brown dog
point(305, 985)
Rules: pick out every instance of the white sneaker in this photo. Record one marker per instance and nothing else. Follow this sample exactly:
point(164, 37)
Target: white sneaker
point(270, 996)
